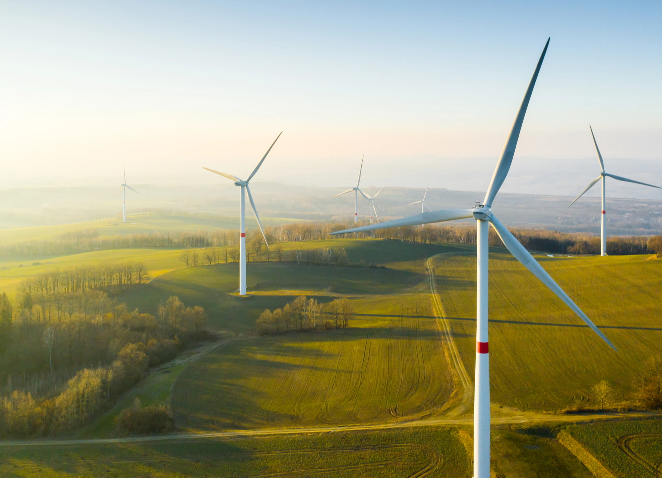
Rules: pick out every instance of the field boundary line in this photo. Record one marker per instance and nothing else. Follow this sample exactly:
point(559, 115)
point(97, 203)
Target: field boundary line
point(456, 359)
point(587, 458)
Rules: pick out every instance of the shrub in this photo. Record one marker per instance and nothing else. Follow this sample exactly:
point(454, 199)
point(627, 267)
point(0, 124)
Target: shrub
point(138, 420)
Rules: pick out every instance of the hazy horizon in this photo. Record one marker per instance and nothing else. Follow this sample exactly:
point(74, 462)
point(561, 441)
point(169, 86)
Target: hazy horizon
point(167, 89)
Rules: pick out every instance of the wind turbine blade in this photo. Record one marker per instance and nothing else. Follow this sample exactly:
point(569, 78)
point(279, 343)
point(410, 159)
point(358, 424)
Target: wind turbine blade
point(378, 192)
point(364, 195)
point(118, 193)
point(250, 198)
point(506, 159)
point(415, 202)
point(426, 193)
point(527, 260)
point(620, 178)
point(425, 218)
point(375, 211)
point(360, 170)
point(344, 192)
point(602, 164)
point(132, 189)
point(590, 185)
point(263, 158)
point(229, 176)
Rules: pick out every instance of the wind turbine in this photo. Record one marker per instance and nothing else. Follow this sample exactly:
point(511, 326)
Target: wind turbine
point(422, 201)
point(483, 215)
point(356, 194)
point(603, 177)
point(242, 232)
point(123, 189)
point(372, 203)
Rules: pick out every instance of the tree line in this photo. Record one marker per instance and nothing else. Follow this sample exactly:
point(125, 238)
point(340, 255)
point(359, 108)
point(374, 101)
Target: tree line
point(329, 256)
point(304, 315)
point(81, 279)
point(533, 239)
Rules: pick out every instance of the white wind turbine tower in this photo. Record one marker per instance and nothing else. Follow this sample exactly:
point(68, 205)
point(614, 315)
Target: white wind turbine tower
point(242, 230)
point(372, 203)
point(356, 194)
point(603, 177)
point(123, 189)
point(483, 215)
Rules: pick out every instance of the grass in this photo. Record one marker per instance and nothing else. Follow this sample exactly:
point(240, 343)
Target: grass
point(542, 357)
point(136, 224)
point(532, 451)
point(386, 367)
point(432, 452)
point(625, 448)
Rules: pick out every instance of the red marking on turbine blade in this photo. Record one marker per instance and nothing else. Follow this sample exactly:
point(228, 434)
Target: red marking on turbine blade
point(243, 234)
point(481, 347)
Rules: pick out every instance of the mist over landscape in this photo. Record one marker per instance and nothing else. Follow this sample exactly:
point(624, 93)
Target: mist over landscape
point(353, 239)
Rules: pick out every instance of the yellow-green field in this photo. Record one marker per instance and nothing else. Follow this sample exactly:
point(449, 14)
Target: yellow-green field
point(391, 366)
point(386, 367)
point(394, 454)
point(541, 355)
point(136, 224)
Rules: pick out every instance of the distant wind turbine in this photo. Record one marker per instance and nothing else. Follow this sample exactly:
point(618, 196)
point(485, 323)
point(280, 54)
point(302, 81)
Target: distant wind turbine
point(372, 203)
point(603, 177)
point(422, 202)
point(483, 215)
point(123, 189)
point(242, 230)
point(356, 194)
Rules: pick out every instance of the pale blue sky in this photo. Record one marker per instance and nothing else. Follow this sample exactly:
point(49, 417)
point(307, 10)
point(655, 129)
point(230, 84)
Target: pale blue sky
point(168, 86)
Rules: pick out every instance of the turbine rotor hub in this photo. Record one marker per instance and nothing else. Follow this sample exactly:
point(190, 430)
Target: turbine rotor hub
point(482, 213)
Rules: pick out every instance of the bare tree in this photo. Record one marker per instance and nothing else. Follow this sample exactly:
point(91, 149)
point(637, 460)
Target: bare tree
point(602, 391)
point(49, 338)
point(209, 256)
point(185, 257)
point(195, 258)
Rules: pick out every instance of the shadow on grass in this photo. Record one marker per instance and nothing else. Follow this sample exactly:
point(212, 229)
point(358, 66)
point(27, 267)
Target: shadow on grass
point(551, 324)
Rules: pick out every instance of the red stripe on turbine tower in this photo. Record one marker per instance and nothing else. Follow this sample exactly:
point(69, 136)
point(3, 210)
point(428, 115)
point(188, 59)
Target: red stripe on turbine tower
point(481, 347)
point(243, 234)
point(604, 212)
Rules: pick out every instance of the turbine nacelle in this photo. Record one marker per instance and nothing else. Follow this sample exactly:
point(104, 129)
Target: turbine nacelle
point(482, 213)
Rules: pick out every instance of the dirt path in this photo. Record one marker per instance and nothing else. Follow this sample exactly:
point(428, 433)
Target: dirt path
point(266, 432)
point(459, 370)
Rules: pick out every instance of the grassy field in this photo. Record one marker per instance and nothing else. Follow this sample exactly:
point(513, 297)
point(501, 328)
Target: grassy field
point(624, 448)
point(541, 355)
point(386, 367)
point(430, 452)
point(157, 262)
point(136, 224)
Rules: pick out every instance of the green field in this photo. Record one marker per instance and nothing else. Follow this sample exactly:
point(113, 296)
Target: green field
point(386, 367)
point(431, 452)
point(391, 366)
point(625, 448)
point(137, 224)
point(542, 357)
